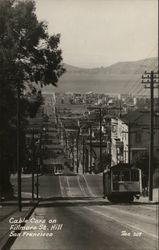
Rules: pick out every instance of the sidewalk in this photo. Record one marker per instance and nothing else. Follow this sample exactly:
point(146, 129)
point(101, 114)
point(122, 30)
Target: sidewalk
point(14, 176)
point(9, 209)
point(145, 199)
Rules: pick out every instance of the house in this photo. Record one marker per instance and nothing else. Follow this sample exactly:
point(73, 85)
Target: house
point(130, 136)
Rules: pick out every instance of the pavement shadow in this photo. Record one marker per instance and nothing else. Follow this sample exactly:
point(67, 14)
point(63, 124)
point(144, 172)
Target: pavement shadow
point(60, 198)
point(86, 201)
point(73, 204)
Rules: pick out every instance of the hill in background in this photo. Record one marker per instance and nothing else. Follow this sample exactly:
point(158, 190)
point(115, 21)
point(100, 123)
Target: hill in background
point(121, 77)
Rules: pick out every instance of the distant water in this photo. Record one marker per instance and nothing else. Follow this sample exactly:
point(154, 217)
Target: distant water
point(114, 84)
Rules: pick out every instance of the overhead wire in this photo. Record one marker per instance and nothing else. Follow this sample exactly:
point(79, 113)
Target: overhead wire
point(143, 62)
point(138, 90)
point(139, 81)
point(141, 90)
point(127, 84)
point(134, 86)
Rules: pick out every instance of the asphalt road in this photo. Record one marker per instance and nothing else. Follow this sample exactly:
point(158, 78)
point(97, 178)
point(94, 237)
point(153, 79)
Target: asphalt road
point(90, 228)
point(73, 216)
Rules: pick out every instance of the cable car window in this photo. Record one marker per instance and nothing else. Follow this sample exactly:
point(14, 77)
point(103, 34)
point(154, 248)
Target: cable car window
point(116, 175)
point(134, 175)
point(116, 186)
point(125, 176)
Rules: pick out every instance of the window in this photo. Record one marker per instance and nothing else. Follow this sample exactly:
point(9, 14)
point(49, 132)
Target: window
point(116, 175)
point(138, 137)
point(116, 186)
point(114, 128)
point(121, 175)
point(125, 176)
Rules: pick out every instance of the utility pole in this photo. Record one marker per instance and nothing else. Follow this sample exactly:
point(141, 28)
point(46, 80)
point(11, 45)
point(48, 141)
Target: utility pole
point(38, 167)
point(151, 79)
point(37, 182)
point(77, 145)
point(83, 154)
point(18, 148)
point(129, 143)
point(90, 148)
point(120, 109)
point(100, 138)
point(33, 161)
point(66, 142)
point(73, 156)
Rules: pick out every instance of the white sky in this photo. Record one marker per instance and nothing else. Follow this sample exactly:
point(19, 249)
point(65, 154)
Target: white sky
point(98, 33)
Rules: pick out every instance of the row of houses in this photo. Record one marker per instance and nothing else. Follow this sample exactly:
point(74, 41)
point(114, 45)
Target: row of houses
point(124, 139)
point(85, 141)
point(125, 131)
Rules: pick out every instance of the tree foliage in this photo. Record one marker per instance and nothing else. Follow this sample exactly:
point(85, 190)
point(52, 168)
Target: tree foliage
point(29, 59)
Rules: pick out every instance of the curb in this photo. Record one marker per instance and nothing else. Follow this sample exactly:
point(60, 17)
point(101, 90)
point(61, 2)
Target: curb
point(15, 203)
point(7, 245)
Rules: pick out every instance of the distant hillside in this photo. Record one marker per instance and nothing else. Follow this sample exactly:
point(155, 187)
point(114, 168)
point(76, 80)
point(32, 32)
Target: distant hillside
point(117, 78)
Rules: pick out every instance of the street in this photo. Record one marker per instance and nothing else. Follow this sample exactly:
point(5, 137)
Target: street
point(72, 215)
point(70, 185)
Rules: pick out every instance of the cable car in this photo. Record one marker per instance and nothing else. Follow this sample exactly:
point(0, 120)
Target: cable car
point(122, 183)
point(58, 169)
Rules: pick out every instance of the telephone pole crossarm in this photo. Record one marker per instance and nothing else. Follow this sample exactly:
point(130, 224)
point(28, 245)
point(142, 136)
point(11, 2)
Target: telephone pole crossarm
point(151, 78)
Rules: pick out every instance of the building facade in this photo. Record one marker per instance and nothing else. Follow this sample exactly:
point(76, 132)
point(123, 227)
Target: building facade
point(130, 137)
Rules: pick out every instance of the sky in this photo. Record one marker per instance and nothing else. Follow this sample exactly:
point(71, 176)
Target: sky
point(96, 33)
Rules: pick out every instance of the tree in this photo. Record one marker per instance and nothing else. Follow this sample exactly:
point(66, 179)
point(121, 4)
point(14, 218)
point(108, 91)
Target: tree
point(29, 59)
